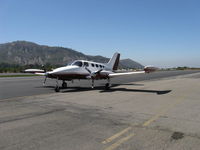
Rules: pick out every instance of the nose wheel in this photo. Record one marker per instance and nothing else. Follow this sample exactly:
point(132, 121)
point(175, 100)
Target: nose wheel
point(92, 84)
point(107, 86)
point(64, 85)
point(57, 89)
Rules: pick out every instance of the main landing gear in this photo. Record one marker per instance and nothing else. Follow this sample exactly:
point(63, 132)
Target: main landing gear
point(64, 85)
point(57, 88)
point(107, 85)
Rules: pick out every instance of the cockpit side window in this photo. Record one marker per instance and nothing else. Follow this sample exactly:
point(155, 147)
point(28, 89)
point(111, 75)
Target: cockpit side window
point(77, 63)
point(86, 64)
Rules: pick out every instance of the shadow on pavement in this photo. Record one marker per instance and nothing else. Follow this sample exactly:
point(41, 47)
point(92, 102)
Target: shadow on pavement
point(136, 90)
point(114, 89)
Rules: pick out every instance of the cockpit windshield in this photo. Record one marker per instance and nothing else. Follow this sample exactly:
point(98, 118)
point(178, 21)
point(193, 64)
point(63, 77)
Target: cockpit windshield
point(77, 63)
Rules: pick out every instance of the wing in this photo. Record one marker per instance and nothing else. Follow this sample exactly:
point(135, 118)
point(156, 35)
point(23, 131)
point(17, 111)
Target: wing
point(147, 69)
point(125, 73)
point(41, 74)
point(34, 71)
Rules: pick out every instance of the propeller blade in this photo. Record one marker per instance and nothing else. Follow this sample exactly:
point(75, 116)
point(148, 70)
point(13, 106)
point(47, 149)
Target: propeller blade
point(88, 70)
point(93, 74)
point(98, 71)
point(45, 80)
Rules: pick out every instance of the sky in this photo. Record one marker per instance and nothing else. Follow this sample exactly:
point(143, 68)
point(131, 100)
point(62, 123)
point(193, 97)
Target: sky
point(162, 33)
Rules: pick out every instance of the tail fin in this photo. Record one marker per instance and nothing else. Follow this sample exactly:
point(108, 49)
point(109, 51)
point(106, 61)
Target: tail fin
point(114, 62)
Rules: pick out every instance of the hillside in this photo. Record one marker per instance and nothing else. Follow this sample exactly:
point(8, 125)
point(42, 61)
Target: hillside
point(26, 53)
point(129, 63)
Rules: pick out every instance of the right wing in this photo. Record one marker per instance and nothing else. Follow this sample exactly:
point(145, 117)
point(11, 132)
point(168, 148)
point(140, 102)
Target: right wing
point(41, 74)
point(34, 71)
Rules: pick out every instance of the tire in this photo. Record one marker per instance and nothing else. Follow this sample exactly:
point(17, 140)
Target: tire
point(57, 89)
point(107, 86)
point(64, 85)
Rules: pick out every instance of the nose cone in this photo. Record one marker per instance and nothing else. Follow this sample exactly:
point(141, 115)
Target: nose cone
point(63, 70)
point(58, 70)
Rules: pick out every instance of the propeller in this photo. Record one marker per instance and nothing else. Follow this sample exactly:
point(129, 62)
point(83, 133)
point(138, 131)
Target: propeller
point(93, 74)
point(88, 70)
point(45, 80)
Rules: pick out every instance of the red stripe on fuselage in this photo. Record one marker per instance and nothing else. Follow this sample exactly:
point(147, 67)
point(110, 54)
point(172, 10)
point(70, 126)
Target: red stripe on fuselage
point(75, 76)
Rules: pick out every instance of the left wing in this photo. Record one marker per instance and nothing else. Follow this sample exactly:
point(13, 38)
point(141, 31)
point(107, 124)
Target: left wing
point(147, 69)
point(125, 73)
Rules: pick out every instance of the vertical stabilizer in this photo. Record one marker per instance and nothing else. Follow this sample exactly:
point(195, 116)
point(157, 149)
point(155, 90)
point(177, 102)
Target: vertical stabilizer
point(114, 62)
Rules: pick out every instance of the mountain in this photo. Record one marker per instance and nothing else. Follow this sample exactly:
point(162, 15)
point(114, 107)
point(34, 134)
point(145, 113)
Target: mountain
point(26, 53)
point(129, 63)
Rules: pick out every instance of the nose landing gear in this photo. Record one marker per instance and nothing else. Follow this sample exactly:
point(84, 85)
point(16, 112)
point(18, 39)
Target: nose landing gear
point(57, 88)
point(92, 84)
point(64, 84)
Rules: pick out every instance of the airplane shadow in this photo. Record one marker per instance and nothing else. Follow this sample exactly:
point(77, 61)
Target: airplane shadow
point(115, 85)
point(112, 89)
point(103, 90)
point(137, 90)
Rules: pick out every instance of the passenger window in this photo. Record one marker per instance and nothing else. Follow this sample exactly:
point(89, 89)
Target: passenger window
point(92, 65)
point(97, 65)
point(100, 66)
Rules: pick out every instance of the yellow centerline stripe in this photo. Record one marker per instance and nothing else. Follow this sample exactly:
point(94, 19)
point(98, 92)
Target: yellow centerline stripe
point(145, 124)
point(119, 142)
point(108, 140)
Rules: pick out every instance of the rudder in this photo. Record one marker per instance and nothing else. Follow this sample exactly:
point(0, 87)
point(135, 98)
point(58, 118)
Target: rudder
point(114, 62)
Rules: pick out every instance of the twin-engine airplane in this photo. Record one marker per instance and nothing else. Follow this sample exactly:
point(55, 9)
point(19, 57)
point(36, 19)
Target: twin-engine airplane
point(82, 69)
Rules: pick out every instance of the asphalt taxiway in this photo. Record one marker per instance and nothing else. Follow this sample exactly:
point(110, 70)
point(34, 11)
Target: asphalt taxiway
point(151, 114)
point(11, 87)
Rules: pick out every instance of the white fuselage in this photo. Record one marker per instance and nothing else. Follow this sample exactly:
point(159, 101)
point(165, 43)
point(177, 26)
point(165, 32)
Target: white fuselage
point(79, 70)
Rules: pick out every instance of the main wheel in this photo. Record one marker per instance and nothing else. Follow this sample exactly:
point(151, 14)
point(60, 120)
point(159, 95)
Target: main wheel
point(64, 85)
point(107, 86)
point(57, 89)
